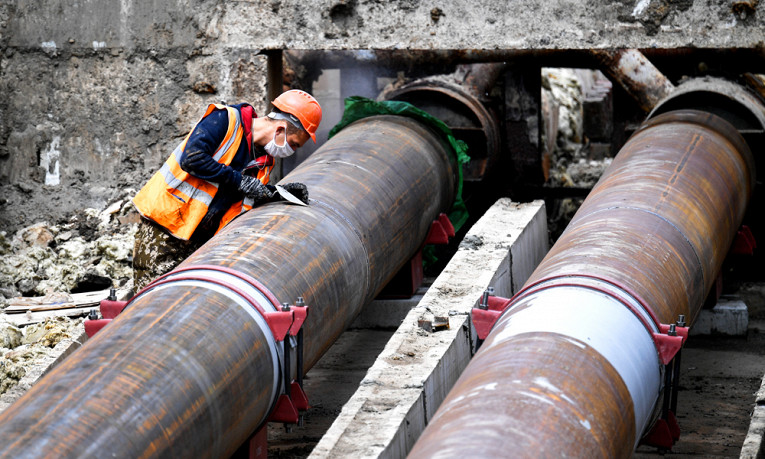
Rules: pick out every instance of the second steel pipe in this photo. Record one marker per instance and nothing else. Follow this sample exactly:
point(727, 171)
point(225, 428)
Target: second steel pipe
point(570, 368)
point(189, 369)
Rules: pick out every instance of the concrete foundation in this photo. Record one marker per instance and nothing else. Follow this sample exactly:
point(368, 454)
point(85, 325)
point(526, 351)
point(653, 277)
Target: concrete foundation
point(727, 317)
point(416, 370)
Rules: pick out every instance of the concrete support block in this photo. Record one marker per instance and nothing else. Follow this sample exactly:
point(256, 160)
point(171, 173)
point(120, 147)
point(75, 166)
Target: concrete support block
point(728, 317)
point(411, 377)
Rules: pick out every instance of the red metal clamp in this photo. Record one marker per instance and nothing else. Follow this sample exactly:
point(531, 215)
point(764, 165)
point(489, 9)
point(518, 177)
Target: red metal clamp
point(664, 433)
point(744, 243)
point(487, 312)
point(109, 308)
point(440, 230)
point(669, 341)
point(294, 399)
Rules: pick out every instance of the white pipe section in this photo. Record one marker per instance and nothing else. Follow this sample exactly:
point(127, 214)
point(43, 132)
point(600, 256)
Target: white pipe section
point(601, 322)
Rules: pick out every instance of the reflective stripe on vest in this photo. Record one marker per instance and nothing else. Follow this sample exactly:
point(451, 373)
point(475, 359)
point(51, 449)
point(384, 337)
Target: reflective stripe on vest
point(177, 200)
point(265, 165)
point(264, 175)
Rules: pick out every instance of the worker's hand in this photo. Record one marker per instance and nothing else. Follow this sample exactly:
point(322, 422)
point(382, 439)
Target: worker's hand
point(298, 190)
point(253, 188)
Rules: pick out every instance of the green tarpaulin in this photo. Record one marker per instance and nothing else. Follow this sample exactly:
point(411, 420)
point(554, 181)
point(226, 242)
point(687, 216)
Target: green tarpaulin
point(357, 108)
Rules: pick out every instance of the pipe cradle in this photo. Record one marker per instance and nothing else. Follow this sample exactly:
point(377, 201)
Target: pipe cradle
point(570, 368)
point(190, 369)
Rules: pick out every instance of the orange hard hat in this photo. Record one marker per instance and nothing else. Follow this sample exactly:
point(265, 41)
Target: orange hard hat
point(302, 105)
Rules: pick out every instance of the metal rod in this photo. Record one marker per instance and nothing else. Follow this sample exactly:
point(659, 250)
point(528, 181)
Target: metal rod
point(667, 391)
point(287, 373)
point(571, 367)
point(190, 369)
point(675, 382)
point(636, 74)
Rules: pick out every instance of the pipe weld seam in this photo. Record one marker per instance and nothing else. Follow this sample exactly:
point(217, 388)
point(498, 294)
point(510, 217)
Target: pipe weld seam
point(244, 291)
point(598, 320)
point(661, 217)
point(356, 232)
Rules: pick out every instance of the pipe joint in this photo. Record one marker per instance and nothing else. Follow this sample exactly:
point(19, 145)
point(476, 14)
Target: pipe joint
point(668, 338)
point(280, 322)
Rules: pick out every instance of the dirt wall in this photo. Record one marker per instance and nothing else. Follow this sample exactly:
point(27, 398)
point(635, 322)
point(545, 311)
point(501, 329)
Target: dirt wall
point(95, 98)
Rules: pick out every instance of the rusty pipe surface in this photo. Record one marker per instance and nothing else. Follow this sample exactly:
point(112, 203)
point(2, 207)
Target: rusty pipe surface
point(190, 369)
point(636, 74)
point(571, 368)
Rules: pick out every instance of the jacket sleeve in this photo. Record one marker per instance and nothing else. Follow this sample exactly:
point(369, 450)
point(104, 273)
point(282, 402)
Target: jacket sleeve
point(197, 158)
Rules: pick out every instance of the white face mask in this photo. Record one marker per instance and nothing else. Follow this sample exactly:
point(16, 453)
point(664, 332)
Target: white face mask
point(279, 151)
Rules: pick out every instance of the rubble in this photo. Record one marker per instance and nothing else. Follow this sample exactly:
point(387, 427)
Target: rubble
point(27, 352)
point(571, 161)
point(90, 250)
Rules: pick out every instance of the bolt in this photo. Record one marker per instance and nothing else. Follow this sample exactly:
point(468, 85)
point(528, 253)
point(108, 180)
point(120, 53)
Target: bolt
point(285, 307)
point(672, 330)
point(300, 302)
point(485, 298)
point(287, 428)
point(92, 315)
point(112, 294)
point(681, 320)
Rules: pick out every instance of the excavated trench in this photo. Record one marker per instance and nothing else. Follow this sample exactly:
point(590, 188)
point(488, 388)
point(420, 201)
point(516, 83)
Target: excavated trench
point(80, 252)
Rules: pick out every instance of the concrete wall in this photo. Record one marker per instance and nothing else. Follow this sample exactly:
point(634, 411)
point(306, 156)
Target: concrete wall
point(95, 94)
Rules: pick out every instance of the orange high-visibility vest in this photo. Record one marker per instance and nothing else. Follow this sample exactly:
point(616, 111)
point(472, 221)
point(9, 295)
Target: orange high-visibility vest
point(264, 165)
point(177, 200)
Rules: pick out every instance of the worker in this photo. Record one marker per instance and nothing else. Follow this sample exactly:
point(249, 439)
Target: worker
point(220, 170)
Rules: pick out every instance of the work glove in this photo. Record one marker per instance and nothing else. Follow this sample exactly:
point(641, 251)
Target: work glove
point(254, 189)
point(298, 190)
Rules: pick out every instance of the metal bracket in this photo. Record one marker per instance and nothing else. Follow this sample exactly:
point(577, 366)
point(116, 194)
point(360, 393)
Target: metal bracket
point(293, 400)
point(663, 434)
point(440, 230)
point(669, 341)
point(744, 242)
point(487, 312)
point(109, 308)
point(666, 431)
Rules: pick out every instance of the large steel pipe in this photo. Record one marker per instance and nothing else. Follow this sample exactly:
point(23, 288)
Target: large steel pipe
point(190, 368)
point(571, 367)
